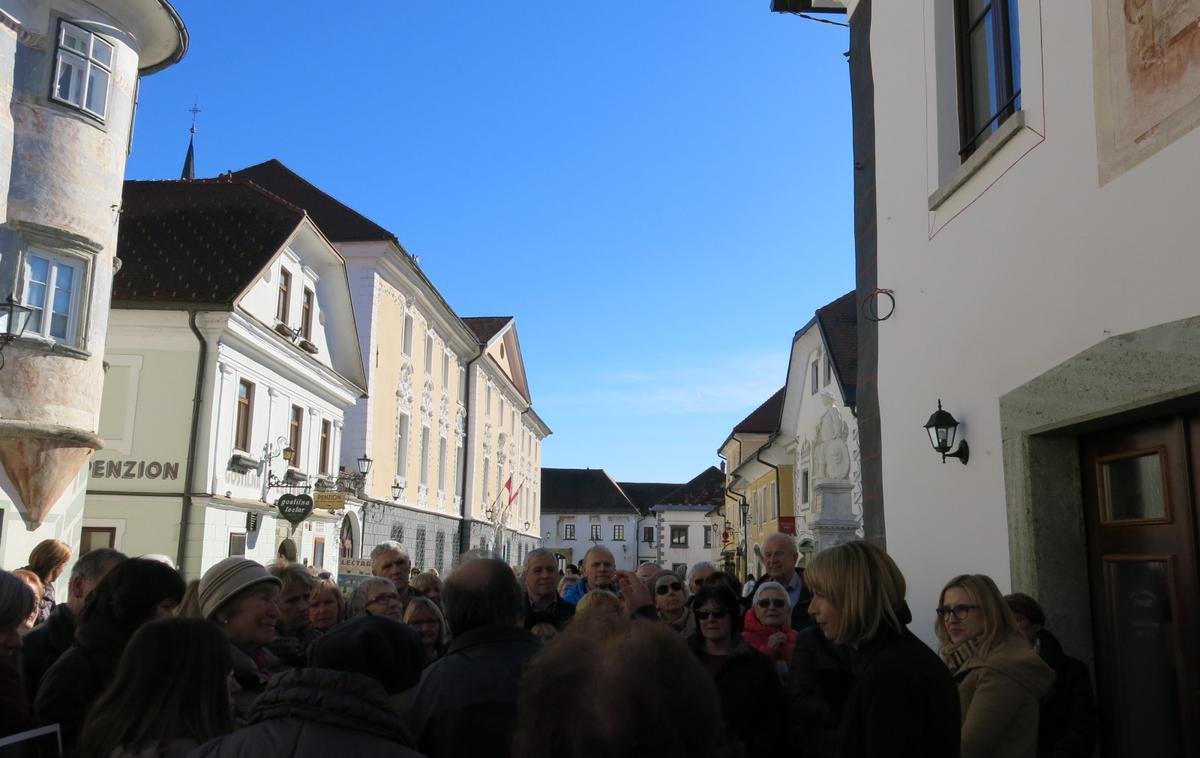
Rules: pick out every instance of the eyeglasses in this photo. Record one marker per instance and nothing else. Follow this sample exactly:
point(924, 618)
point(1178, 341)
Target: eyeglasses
point(706, 615)
point(387, 597)
point(663, 589)
point(960, 611)
point(768, 603)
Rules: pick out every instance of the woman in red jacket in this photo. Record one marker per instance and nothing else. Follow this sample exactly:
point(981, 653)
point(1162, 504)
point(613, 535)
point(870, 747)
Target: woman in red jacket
point(768, 625)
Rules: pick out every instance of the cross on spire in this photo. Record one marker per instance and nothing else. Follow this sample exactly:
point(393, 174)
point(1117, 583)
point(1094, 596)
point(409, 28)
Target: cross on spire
point(194, 110)
point(189, 161)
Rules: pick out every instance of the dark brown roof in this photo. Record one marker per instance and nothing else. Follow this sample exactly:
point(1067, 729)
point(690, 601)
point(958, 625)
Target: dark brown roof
point(839, 323)
point(707, 488)
point(337, 221)
point(582, 490)
point(486, 327)
point(197, 241)
point(645, 495)
point(765, 418)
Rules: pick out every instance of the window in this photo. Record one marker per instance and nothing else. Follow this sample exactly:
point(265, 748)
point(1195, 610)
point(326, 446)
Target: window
point(402, 445)
point(306, 314)
point(446, 370)
point(989, 68)
point(568, 531)
point(296, 435)
point(484, 479)
point(439, 551)
point(52, 290)
point(488, 409)
point(82, 69)
point(816, 376)
point(347, 539)
point(679, 536)
point(429, 355)
point(424, 455)
point(828, 370)
point(407, 334)
point(245, 416)
point(93, 537)
point(319, 552)
point(619, 532)
point(441, 475)
point(773, 499)
point(462, 384)
point(326, 433)
point(648, 534)
point(804, 486)
point(281, 302)
point(237, 543)
point(397, 533)
point(459, 462)
point(596, 535)
point(418, 557)
point(707, 536)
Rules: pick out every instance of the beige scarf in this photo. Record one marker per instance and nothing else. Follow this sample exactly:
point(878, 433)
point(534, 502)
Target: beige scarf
point(957, 655)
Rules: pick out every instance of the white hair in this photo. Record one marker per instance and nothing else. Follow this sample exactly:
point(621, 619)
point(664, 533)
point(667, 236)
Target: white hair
point(387, 547)
point(697, 566)
point(772, 586)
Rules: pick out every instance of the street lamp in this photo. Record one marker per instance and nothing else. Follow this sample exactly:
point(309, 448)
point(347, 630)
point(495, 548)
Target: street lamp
point(941, 428)
point(397, 491)
point(15, 318)
point(364, 464)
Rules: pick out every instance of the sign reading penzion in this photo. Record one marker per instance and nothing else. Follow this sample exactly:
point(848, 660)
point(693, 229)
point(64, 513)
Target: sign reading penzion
point(134, 470)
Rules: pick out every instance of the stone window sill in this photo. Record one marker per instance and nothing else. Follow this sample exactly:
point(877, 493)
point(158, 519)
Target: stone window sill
point(46, 345)
point(978, 159)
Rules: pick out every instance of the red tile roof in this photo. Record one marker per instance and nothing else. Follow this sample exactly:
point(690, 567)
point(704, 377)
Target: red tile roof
point(197, 241)
point(765, 418)
point(486, 327)
point(839, 323)
point(337, 221)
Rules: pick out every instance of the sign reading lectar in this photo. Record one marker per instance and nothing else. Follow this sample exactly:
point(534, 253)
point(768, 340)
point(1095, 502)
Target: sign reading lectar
point(294, 508)
point(329, 501)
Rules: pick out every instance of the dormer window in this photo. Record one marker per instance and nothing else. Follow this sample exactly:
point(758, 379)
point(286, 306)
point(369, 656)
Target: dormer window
point(281, 304)
point(82, 70)
point(307, 315)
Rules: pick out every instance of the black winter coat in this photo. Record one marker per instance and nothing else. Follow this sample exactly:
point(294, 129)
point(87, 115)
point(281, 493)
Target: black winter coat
point(1067, 724)
point(903, 704)
point(45, 645)
point(752, 701)
point(79, 677)
point(800, 618)
point(817, 687)
point(561, 610)
point(316, 713)
point(466, 703)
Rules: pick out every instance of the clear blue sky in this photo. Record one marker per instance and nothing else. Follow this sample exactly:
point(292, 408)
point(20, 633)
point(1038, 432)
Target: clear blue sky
point(660, 192)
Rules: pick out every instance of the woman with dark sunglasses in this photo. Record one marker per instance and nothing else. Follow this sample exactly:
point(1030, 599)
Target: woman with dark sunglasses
point(752, 701)
point(769, 625)
point(671, 600)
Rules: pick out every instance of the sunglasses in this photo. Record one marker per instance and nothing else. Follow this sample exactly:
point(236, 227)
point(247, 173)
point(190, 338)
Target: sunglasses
point(663, 589)
point(706, 615)
point(768, 603)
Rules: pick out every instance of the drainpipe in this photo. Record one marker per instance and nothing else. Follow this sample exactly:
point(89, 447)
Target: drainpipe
point(464, 526)
point(731, 492)
point(201, 373)
point(758, 457)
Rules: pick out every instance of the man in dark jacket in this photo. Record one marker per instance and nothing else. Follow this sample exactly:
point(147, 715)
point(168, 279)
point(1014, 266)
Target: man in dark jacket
point(466, 703)
point(541, 587)
point(346, 703)
point(780, 555)
point(44, 645)
point(1067, 724)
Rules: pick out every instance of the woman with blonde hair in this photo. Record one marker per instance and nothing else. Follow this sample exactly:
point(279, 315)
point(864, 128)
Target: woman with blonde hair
point(426, 619)
point(902, 703)
point(326, 605)
point(428, 585)
point(48, 559)
point(1000, 678)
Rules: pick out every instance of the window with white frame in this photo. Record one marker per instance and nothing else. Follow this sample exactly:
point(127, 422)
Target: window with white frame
point(828, 370)
point(462, 384)
point(773, 493)
point(484, 479)
point(424, 455)
point(402, 445)
point(596, 536)
point(618, 532)
point(568, 531)
point(407, 336)
point(441, 471)
point(459, 462)
point(679, 536)
point(816, 376)
point(82, 69)
point(804, 486)
point(445, 369)
point(648, 534)
point(708, 536)
point(429, 354)
point(53, 290)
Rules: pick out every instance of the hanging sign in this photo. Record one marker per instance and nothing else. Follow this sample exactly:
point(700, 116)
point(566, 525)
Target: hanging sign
point(787, 524)
point(294, 508)
point(329, 501)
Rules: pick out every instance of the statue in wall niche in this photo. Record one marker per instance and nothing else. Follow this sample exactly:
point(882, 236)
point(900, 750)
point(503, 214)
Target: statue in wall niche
point(831, 454)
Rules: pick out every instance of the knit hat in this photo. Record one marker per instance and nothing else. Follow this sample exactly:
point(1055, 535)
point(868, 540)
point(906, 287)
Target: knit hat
point(227, 578)
point(377, 647)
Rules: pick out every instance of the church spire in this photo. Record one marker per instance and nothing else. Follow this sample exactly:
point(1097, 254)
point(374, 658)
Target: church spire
point(189, 161)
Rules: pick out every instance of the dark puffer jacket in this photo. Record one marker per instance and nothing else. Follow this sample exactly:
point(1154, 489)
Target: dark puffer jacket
point(1067, 726)
point(751, 697)
point(315, 713)
point(817, 686)
point(79, 677)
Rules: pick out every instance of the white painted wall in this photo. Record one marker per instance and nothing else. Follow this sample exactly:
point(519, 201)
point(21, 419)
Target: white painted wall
point(695, 522)
point(625, 552)
point(1031, 262)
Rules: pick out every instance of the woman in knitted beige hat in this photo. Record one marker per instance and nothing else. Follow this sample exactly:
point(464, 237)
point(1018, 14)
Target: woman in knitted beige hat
point(241, 596)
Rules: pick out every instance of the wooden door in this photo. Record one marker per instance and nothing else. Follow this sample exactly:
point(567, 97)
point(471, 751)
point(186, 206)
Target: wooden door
point(1140, 495)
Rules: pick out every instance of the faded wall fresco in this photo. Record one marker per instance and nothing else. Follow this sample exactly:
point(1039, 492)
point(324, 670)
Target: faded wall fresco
point(1147, 78)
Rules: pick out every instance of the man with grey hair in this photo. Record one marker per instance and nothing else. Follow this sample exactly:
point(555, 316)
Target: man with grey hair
point(780, 555)
point(540, 574)
point(390, 560)
point(466, 703)
point(44, 645)
point(698, 574)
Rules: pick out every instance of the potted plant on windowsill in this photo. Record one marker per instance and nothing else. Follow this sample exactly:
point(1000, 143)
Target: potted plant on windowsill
point(309, 347)
point(284, 330)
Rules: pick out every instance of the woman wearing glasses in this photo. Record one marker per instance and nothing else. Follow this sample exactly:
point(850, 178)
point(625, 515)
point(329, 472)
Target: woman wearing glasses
point(376, 596)
point(902, 702)
point(751, 696)
point(769, 625)
point(671, 600)
point(1000, 677)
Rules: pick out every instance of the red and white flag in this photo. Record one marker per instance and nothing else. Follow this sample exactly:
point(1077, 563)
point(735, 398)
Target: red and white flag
point(515, 492)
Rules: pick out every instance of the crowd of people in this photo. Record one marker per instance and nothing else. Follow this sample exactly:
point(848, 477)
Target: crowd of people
point(253, 660)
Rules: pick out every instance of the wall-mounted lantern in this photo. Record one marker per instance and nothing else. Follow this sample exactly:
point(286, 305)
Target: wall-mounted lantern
point(14, 318)
point(364, 464)
point(397, 491)
point(942, 428)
